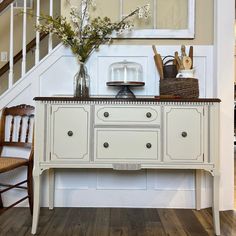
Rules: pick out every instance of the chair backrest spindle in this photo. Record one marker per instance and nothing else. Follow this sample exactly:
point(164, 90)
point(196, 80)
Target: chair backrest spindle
point(21, 118)
point(12, 128)
point(27, 130)
point(20, 129)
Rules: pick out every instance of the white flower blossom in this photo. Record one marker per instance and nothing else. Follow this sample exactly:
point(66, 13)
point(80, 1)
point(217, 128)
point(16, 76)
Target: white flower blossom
point(77, 30)
point(74, 19)
point(100, 33)
point(84, 35)
point(109, 41)
point(93, 3)
point(64, 37)
point(86, 15)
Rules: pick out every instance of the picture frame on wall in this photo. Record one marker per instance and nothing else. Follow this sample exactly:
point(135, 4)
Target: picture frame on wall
point(173, 20)
point(169, 19)
point(19, 4)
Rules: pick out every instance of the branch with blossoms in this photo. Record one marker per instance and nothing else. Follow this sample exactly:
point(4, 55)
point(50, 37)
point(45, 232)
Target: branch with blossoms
point(83, 35)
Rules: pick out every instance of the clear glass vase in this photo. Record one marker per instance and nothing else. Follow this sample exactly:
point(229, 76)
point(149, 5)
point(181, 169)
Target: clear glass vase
point(81, 82)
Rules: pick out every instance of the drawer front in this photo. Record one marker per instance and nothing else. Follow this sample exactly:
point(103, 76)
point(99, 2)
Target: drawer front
point(114, 145)
point(127, 115)
point(69, 133)
point(184, 130)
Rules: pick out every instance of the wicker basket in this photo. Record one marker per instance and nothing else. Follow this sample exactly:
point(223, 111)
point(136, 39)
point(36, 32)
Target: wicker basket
point(183, 87)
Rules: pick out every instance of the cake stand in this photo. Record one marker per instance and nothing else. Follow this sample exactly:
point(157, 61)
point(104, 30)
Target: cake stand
point(125, 91)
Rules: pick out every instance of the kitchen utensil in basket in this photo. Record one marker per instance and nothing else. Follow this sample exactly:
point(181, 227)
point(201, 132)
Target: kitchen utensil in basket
point(169, 70)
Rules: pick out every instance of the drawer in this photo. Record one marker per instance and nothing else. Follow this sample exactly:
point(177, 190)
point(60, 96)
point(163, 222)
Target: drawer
point(127, 115)
point(126, 145)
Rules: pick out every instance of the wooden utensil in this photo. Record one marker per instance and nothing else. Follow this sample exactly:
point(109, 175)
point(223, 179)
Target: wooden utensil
point(179, 62)
point(190, 54)
point(158, 62)
point(183, 51)
point(187, 63)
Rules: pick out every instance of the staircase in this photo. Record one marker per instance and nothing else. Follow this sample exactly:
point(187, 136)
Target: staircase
point(26, 48)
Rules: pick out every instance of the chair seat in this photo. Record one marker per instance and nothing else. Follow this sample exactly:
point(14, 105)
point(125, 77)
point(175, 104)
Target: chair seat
point(10, 163)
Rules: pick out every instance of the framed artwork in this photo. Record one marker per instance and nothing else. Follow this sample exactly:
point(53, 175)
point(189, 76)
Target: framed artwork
point(168, 18)
point(20, 4)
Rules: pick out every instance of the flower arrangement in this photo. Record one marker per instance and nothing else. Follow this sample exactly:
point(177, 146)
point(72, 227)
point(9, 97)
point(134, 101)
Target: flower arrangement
point(84, 35)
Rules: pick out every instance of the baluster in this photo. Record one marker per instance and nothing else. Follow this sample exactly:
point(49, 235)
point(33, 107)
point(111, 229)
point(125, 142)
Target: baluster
point(50, 35)
point(27, 130)
point(11, 63)
point(37, 33)
point(12, 128)
point(154, 14)
point(20, 129)
point(121, 9)
point(23, 66)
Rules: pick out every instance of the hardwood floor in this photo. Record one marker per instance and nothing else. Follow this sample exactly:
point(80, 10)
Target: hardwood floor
point(234, 179)
point(116, 222)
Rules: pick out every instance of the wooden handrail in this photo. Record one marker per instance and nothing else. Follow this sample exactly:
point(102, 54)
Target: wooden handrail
point(18, 56)
point(5, 4)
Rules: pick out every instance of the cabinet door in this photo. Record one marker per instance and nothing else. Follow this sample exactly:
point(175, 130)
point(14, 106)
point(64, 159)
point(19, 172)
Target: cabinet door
point(183, 134)
point(69, 132)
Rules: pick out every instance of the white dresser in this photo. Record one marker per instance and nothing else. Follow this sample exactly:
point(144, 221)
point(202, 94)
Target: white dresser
point(120, 134)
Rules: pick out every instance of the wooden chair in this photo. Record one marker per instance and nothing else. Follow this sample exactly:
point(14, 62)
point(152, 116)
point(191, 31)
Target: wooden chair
point(16, 130)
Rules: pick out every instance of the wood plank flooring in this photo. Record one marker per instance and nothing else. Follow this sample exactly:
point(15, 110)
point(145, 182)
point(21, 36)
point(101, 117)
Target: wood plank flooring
point(116, 222)
point(234, 180)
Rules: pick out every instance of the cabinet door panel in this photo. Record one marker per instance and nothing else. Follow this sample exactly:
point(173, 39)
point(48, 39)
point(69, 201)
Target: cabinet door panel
point(69, 133)
point(183, 134)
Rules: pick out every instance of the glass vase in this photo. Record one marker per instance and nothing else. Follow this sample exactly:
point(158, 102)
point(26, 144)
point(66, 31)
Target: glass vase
point(81, 83)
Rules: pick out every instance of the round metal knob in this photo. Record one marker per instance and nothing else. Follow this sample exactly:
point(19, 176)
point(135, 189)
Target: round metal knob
point(148, 114)
point(106, 114)
point(106, 145)
point(70, 133)
point(184, 134)
point(148, 145)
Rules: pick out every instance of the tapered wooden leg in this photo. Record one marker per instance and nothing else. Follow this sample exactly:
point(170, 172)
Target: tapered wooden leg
point(1, 204)
point(51, 184)
point(30, 185)
point(36, 209)
point(215, 205)
point(198, 189)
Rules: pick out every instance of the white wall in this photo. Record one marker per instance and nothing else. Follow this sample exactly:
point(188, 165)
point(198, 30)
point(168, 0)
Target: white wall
point(224, 82)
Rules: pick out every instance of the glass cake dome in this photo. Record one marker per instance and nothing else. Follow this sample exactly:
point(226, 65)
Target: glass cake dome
point(125, 72)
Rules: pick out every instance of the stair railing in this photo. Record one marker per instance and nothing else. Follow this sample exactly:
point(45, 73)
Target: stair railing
point(4, 5)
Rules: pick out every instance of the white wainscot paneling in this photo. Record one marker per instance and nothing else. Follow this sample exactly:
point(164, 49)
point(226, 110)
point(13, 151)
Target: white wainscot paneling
point(99, 64)
point(121, 180)
point(75, 179)
point(172, 180)
point(57, 77)
point(108, 188)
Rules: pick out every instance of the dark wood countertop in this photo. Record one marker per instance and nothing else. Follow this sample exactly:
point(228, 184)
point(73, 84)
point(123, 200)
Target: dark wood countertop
point(146, 99)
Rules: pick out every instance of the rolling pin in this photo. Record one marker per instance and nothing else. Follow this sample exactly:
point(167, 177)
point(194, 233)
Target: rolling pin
point(191, 55)
point(158, 62)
